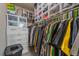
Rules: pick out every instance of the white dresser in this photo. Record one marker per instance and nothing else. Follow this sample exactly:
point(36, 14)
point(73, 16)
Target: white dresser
point(17, 31)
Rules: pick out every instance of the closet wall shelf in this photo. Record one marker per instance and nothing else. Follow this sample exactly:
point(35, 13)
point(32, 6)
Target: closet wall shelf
point(53, 7)
point(45, 13)
point(71, 7)
point(64, 10)
point(60, 11)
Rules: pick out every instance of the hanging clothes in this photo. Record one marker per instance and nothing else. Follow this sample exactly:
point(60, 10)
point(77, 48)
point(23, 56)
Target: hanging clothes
point(52, 29)
point(42, 52)
point(49, 39)
point(58, 37)
point(49, 36)
point(35, 40)
point(55, 28)
point(56, 51)
point(74, 31)
point(52, 51)
point(75, 47)
point(40, 35)
point(60, 52)
point(45, 39)
point(64, 46)
point(54, 39)
point(31, 35)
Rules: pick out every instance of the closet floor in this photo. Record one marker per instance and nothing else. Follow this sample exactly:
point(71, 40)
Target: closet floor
point(30, 53)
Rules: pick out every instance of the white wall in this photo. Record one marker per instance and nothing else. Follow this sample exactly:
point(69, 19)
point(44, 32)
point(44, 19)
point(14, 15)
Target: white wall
point(3, 40)
point(2, 28)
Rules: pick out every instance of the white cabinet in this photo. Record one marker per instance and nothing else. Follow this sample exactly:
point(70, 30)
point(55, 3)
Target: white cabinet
point(17, 31)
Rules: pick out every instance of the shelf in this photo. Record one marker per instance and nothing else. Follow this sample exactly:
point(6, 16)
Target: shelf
point(44, 5)
point(70, 7)
point(45, 12)
point(54, 8)
point(52, 5)
point(66, 5)
point(45, 9)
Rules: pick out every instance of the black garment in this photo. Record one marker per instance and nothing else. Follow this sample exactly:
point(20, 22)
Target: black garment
point(56, 51)
point(29, 35)
point(33, 36)
point(54, 30)
point(70, 41)
point(77, 23)
point(58, 38)
point(63, 54)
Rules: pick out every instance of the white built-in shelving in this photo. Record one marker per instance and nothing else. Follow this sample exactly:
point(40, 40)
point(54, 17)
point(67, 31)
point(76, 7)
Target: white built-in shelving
point(51, 9)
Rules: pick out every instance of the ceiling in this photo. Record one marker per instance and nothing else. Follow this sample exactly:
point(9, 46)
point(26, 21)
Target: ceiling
point(28, 6)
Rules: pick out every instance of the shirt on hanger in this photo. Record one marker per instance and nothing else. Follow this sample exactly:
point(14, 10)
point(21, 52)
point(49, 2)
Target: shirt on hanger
point(31, 35)
point(64, 46)
point(35, 40)
point(73, 32)
point(58, 38)
point(75, 47)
